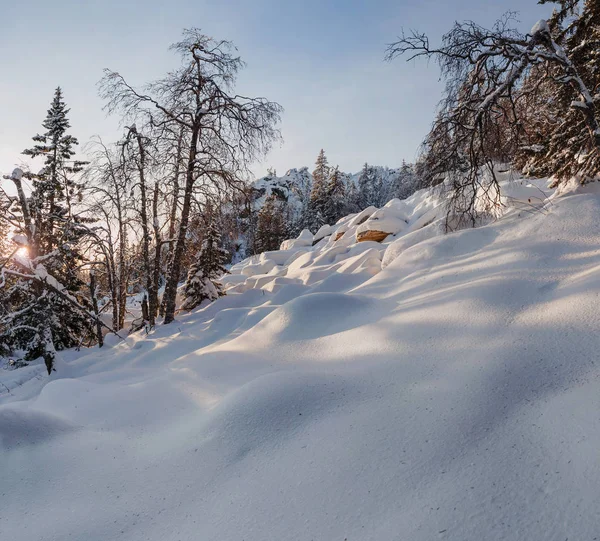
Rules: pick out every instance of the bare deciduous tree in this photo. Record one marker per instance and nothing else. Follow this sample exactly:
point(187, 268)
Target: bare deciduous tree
point(223, 132)
point(108, 200)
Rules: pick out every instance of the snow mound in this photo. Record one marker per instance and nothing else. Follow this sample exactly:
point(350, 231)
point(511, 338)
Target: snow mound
point(312, 316)
point(304, 239)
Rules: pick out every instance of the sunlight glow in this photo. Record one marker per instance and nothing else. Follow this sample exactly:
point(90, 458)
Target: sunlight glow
point(23, 251)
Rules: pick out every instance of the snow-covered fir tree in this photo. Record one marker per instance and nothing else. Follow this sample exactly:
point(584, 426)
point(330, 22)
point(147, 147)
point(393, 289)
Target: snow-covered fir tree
point(318, 194)
point(55, 190)
point(405, 182)
point(321, 172)
point(565, 146)
point(44, 290)
point(335, 202)
point(202, 279)
point(353, 197)
point(368, 186)
point(301, 188)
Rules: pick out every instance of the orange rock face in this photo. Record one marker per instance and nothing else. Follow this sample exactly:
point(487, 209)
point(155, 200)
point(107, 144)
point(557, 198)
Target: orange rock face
point(377, 236)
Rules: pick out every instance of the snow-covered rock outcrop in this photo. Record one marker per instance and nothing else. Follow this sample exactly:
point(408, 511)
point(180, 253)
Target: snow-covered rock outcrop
point(384, 233)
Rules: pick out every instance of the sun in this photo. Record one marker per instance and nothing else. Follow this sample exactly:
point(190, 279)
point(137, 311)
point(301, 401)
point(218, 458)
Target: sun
point(23, 251)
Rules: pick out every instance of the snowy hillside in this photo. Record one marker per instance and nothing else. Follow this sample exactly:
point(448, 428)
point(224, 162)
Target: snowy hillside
point(426, 387)
point(367, 241)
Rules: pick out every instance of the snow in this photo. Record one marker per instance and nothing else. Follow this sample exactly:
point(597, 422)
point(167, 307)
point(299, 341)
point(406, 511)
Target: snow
point(17, 174)
point(450, 393)
point(21, 240)
point(383, 220)
point(539, 27)
point(305, 238)
point(324, 231)
point(42, 273)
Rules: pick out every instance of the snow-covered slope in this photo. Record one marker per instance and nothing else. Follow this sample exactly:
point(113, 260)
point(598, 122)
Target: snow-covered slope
point(366, 242)
point(451, 392)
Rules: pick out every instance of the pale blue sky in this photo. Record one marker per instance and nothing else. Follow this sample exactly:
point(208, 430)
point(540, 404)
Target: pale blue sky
point(321, 60)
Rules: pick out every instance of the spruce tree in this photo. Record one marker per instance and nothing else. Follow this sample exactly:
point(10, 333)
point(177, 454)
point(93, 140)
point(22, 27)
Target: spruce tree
point(48, 305)
point(335, 204)
point(367, 186)
point(55, 194)
point(54, 189)
point(321, 172)
point(353, 198)
point(404, 184)
point(201, 283)
point(318, 194)
point(270, 227)
point(566, 142)
point(302, 187)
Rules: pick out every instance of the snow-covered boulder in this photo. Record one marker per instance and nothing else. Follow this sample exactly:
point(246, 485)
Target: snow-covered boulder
point(277, 256)
point(305, 238)
point(339, 232)
point(229, 280)
point(425, 216)
point(324, 231)
point(381, 224)
point(262, 267)
point(400, 209)
point(368, 261)
point(362, 217)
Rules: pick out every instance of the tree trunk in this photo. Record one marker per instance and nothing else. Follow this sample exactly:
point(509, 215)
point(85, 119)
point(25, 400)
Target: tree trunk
point(95, 308)
point(170, 295)
point(122, 275)
point(29, 229)
point(153, 300)
point(49, 233)
point(173, 215)
point(112, 286)
point(145, 229)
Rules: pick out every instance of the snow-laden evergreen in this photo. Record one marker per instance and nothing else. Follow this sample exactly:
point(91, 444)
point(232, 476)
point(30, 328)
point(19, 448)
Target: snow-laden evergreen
point(202, 280)
point(45, 303)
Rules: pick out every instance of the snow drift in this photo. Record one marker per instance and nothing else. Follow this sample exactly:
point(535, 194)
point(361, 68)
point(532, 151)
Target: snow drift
point(428, 387)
